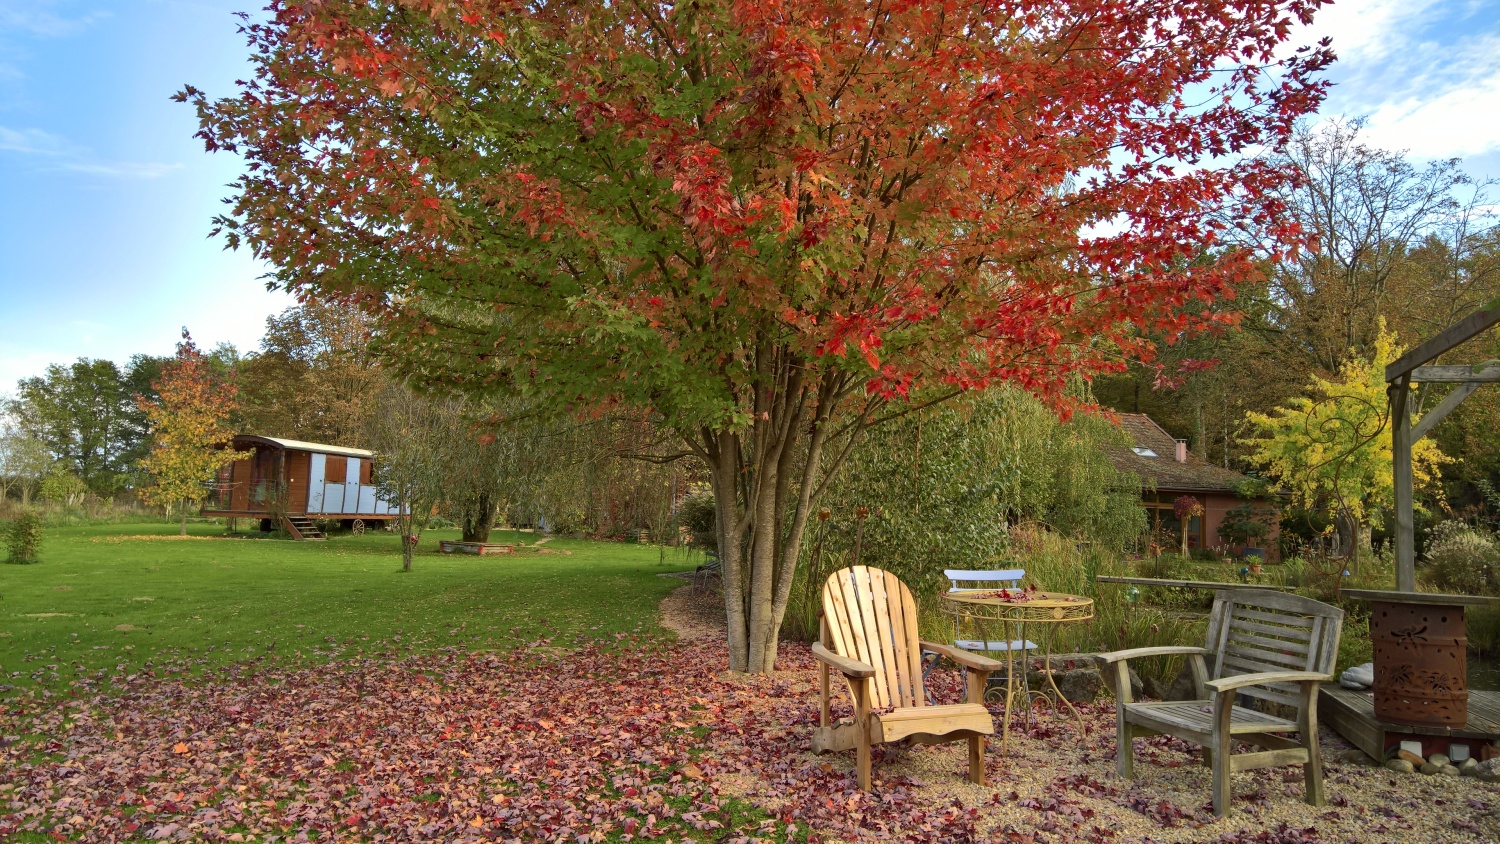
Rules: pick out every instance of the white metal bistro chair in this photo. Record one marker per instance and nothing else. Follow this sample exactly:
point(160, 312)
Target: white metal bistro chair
point(960, 579)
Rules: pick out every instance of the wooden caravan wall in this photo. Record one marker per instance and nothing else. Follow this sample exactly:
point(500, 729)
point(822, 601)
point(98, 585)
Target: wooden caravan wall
point(298, 466)
point(239, 496)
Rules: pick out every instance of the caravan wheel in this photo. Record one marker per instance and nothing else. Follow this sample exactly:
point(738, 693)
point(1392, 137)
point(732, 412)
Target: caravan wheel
point(358, 527)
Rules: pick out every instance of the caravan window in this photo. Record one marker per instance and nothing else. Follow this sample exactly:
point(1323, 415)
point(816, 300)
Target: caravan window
point(337, 470)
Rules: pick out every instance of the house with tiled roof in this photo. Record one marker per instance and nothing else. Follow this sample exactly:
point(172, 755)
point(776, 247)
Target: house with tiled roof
point(1168, 470)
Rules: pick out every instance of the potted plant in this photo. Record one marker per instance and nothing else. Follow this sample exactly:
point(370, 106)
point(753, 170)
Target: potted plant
point(1186, 508)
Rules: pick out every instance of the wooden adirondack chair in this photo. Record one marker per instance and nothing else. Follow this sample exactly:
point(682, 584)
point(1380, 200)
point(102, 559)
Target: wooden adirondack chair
point(870, 636)
point(1266, 645)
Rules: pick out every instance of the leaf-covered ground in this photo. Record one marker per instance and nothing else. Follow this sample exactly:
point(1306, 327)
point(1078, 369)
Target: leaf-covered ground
point(628, 741)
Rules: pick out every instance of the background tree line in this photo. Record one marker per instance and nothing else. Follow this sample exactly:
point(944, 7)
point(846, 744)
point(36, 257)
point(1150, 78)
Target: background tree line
point(85, 429)
point(1412, 248)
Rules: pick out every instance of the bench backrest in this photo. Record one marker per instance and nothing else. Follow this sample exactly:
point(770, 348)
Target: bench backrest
point(869, 615)
point(1256, 630)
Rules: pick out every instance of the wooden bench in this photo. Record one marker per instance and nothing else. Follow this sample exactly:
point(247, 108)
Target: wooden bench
point(1265, 645)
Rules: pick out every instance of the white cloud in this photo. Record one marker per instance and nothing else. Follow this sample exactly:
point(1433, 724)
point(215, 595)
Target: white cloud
point(58, 153)
point(1366, 30)
point(1425, 73)
point(1461, 119)
point(41, 18)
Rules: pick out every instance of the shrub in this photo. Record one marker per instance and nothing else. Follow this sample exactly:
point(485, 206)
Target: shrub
point(1355, 647)
point(1246, 525)
point(64, 487)
point(1460, 559)
point(696, 513)
point(1164, 567)
point(23, 537)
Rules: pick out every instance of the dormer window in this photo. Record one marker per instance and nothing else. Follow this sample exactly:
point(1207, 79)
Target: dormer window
point(1142, 451)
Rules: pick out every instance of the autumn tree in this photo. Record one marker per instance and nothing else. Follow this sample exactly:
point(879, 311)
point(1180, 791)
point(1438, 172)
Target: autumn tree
point(772, 224)
point(313, 377)
point(188, 428)
point(1331, 446)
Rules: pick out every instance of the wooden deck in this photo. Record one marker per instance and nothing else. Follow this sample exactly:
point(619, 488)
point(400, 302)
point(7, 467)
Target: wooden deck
point(1352, 714)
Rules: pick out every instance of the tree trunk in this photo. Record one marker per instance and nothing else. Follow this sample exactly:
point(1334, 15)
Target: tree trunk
point(183, 505)
point(406, 548)
point(479, 517)
point(1200, 432)
point(755, 474)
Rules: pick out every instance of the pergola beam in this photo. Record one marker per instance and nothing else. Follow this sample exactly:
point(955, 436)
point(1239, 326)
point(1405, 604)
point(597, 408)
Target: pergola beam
point(1445, 407)
point(1450, 337)
point(1481, 374)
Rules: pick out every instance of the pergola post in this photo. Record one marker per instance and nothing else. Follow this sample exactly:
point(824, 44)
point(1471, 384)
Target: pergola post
point(1399, 375)
point(1401, 439)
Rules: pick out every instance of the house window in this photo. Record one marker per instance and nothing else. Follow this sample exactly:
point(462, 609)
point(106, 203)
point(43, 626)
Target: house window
point(337, 470)
point(1142, 451)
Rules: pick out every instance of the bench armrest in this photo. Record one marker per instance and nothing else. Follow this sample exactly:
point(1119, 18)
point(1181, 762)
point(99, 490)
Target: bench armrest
point(851, 668)
point(965, 658)
point(1239, 681)
point(1136, 653)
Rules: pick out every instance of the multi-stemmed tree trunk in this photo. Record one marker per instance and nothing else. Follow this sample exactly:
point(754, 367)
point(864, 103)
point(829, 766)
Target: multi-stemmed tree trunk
point(767, 223)
point(766, 481)
point(478, 516)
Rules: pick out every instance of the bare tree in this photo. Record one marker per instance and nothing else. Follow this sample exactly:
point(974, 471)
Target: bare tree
point(1365, 208)
point(409, 433)
point(24, 461)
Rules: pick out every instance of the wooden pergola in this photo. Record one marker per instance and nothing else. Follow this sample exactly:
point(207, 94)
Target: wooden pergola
point(1411, 368)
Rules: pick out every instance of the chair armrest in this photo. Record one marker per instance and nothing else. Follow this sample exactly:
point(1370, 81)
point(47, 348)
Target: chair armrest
point(1135, 653)
point(1239, 681)
point(965, 658)
point(848, 667)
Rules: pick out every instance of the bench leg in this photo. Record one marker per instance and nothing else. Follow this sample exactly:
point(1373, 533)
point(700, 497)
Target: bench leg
point(1312, 771)
point(1124, 752)
point(1124, 749)
point(1222, 739)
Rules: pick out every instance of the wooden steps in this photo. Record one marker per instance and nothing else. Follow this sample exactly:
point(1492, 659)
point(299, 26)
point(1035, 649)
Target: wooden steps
point(301, 527)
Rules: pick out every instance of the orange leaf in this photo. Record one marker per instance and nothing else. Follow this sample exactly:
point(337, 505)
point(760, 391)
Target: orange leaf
point(180, 747)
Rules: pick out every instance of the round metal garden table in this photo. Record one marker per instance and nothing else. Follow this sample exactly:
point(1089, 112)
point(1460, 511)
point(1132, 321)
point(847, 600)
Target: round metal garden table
point(1015, 610)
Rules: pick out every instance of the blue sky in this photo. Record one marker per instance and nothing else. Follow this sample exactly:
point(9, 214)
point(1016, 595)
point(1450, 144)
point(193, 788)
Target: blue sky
point(105, 197)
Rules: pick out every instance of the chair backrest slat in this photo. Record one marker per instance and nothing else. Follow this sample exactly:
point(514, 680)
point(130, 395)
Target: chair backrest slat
point(872, 617)
point(1254, 630)
point(958, 576)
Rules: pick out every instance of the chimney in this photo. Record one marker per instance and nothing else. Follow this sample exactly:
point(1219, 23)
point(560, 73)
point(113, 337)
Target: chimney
point(1182, 451)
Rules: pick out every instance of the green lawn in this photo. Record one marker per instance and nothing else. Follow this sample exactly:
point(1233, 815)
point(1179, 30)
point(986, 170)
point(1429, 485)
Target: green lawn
point(113, 598)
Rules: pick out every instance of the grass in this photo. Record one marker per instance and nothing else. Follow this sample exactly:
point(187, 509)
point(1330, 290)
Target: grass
point(121, 598)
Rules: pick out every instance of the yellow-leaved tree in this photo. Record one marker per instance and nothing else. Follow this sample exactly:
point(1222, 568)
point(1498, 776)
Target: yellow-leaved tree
point(189, 429)
point(1331, 447)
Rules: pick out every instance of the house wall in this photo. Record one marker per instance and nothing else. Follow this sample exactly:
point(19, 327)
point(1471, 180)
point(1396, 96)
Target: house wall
point(1215, 506)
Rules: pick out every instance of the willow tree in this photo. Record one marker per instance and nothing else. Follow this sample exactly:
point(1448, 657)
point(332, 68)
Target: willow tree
point(771, 223)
